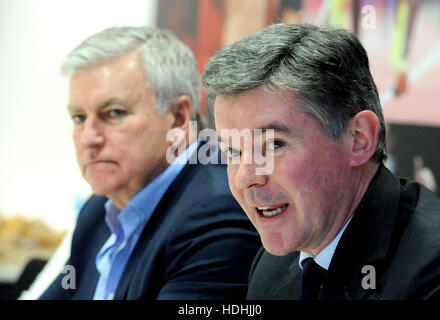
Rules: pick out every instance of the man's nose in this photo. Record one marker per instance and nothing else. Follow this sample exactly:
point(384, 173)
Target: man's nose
point(247, 176)
point(92, 135)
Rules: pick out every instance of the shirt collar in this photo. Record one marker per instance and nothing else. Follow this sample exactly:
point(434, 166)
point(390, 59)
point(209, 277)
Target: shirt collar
point(325, 256)
point(161, 183)
point(141, 206)
point(111, 216)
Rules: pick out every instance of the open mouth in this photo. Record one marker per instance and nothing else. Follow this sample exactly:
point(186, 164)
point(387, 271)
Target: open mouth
point(271, 211)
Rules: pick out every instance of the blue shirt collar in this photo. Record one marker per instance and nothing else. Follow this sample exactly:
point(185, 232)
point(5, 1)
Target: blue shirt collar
point(142, 205)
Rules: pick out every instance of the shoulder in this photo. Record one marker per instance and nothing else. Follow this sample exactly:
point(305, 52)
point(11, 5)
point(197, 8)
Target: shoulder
point(424, 210)
point(90, 230)
point(89, 235)
point(200, 207)
point(274, 277)
point(213, 176)
point(204, 211)
point(204, 187)
point(417, 257)
point(422, 231)
point(428, 206)
point(93, 208)
point(91, 214)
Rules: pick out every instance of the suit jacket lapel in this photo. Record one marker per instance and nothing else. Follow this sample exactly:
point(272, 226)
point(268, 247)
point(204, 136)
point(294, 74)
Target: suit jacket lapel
point(366, 240)
point(90, 235)
point(289, 284)
point(149, 229)
point(92, 280)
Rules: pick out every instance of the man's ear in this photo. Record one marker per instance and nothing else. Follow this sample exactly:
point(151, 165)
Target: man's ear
point(364, 129)
point(181, 111)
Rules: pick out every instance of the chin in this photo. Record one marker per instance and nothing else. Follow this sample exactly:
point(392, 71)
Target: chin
point(277, 252)
point(98, 192)
point(276, 248)
point(102, 189)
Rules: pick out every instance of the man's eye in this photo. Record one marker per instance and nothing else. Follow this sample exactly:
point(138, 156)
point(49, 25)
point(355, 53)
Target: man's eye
point(231, 153)
point(115, 113)
point(274, 144)
point(78, 118)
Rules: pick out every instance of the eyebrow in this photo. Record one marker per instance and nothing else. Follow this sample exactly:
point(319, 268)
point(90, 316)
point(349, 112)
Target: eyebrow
point(104, 104)
point(276, 126)
point(73, 109)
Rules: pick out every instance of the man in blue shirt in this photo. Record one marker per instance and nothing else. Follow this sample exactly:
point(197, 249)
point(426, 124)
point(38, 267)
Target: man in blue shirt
point(154, 229)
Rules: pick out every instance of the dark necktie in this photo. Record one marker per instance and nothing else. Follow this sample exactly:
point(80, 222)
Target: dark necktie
point(311, 279)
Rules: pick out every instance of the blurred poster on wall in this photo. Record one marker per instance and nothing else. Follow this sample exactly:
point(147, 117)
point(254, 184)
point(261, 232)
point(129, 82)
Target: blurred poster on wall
point(414, 152)
point(402, 38)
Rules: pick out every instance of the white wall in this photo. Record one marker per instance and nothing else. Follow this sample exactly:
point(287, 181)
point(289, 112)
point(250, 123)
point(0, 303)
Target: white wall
point(38, 172)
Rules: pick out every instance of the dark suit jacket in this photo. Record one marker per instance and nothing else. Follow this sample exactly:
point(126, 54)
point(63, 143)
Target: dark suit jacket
point(198, 244)
point(395, 229)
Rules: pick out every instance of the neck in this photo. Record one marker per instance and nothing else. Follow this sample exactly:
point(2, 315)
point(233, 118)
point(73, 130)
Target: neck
point(121, 197)
point(364, 176)
point(360, 181)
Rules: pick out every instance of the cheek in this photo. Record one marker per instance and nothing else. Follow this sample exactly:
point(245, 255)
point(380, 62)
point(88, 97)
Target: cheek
point(313, 179)
point(75, 138)
point(130, 143)
point(140, 152)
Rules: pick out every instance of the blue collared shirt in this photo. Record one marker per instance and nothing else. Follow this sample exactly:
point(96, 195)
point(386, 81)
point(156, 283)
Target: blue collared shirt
point(126, 226)
point(325, 256)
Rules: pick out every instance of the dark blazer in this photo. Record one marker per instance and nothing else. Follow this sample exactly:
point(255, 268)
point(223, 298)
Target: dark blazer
point(198, 244)
point(395, 229)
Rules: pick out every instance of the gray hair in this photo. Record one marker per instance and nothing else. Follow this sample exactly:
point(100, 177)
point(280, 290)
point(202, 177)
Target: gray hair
point(326, 69)
point(169, 65)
